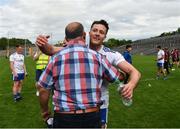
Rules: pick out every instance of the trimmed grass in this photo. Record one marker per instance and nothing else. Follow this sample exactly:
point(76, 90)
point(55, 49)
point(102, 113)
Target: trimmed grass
point(155, 106)
point(25, 113)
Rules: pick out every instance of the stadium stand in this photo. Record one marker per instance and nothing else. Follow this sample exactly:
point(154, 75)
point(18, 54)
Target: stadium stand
point(142, 47)
point(148, 46)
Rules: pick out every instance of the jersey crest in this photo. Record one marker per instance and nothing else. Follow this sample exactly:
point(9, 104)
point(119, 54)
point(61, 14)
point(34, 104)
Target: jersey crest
point(106, 49)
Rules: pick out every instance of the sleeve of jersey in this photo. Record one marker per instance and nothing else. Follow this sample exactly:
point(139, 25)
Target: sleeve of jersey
point(163, 53)
point(46, 79)
point(110, 73)
point(11, 58)
point(118, 58)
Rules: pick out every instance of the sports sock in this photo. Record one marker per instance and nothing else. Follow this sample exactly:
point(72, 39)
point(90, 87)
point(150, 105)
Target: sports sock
point(18, 96)
point(15, 97)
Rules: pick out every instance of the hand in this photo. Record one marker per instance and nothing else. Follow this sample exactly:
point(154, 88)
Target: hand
point(26, 74)
point(42, 40)
point(15, 74)
point(127, 91)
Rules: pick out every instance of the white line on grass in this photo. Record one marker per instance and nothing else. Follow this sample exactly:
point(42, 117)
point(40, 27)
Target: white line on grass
point(153, 79)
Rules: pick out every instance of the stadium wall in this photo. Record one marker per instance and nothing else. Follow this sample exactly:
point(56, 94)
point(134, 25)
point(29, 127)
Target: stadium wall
point(148, 46)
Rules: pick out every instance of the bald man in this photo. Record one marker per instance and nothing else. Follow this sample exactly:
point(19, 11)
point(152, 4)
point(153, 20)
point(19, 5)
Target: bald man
point(75, 74)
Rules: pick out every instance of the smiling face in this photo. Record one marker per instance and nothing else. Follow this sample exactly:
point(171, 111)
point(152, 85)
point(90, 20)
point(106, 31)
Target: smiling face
point(97, 34)
point(19, 50)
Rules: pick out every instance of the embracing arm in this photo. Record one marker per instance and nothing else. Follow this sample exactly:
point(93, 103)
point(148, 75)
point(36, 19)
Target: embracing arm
point(135, 75)
point(45, 47)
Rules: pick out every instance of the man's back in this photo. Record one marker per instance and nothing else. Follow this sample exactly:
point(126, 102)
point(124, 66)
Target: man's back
point(77, 74)
point(160, 54)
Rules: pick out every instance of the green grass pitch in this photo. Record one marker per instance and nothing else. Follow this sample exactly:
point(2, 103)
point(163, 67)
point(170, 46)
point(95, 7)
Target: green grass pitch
point(154, 106)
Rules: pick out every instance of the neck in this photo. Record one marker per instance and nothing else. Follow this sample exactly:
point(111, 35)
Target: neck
point(76, 41)
point(95, 47)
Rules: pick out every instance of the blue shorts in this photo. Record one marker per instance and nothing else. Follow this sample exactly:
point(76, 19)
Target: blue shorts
point(104, 115)
point(160, 65)
point(38, 74)
point(19, 77)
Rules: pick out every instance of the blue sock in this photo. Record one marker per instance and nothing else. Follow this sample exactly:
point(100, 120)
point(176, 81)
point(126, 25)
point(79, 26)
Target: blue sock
point(15, 97)
point(18, 94)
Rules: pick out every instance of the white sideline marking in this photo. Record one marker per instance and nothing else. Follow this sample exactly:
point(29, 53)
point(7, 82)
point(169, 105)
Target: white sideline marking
point(147, 79)
point(152, 79)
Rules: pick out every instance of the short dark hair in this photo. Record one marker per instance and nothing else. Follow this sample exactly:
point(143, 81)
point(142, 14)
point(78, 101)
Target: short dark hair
point(74, 30)
point(128, 46)
point(159, 47)
point(102, 22)
point(17, 45)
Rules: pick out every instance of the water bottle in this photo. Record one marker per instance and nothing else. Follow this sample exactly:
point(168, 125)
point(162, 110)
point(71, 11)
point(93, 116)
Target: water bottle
point(126, 101)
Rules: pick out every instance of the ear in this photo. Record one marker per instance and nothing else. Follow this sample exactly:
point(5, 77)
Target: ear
point(66, 39)
point(84, 35)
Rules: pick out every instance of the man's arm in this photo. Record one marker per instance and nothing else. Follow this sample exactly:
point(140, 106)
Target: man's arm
point(45, 84)
point(44, 99)
point(12, 68)
point(45, 47)
point(135, 75)
point(25, 71)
